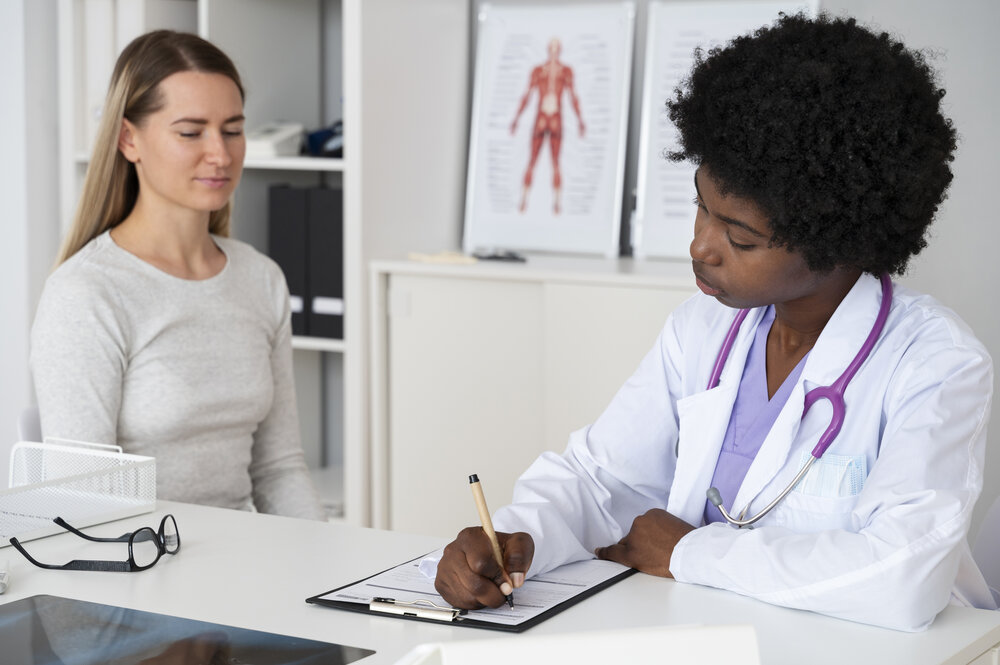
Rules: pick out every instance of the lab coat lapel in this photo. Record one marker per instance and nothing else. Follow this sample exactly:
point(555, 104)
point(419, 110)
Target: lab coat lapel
point(836, 347)
point(703, 420)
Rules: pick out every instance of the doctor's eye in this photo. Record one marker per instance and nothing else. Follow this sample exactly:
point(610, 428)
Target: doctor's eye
point(736, 245)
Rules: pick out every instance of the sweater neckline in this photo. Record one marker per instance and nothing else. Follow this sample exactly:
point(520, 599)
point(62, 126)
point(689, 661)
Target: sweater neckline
point(106, 239)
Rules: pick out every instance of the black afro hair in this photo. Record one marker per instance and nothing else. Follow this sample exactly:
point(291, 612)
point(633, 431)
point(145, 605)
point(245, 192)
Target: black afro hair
point(834, 131)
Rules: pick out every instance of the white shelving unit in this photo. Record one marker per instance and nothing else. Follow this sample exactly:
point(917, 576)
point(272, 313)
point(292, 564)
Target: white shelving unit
point(398, 73)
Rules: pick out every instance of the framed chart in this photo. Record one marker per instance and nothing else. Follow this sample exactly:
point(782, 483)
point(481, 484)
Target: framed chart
point(548, 130)
point(664, 215)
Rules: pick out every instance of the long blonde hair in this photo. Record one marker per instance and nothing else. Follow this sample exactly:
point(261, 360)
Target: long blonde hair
point(111, 186)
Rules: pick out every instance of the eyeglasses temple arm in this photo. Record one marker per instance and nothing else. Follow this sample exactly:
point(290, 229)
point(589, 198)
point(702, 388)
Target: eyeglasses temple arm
point(121, 539)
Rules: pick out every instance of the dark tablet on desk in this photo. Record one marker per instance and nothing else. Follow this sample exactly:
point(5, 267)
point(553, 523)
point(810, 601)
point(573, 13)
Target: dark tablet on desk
point(49, 630)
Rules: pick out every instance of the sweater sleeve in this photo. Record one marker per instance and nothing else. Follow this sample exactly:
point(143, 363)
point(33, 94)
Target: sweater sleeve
point(78, 357)
point(281, 481)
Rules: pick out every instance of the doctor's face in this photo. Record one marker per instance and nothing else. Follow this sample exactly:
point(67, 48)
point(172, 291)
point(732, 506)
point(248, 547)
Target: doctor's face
point(732, 257)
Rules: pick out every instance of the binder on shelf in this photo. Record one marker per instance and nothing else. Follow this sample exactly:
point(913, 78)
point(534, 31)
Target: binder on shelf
point(288, 242)
point(325, 214)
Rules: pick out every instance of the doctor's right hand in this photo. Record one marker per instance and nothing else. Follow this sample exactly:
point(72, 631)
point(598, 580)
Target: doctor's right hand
point(468, 576)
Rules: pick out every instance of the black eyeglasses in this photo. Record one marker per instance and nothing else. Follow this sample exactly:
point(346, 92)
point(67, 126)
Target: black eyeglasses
point(145, 547)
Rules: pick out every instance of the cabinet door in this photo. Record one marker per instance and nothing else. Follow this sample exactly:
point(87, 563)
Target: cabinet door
point(595, 336)
point(465, 396)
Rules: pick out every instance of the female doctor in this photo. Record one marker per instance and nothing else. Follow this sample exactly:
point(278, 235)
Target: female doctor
point(839, 419)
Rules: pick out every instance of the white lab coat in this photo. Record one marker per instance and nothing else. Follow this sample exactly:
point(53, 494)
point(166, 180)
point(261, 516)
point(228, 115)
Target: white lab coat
point(893, 554)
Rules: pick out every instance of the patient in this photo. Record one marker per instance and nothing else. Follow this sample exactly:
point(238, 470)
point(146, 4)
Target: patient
point(157, 331)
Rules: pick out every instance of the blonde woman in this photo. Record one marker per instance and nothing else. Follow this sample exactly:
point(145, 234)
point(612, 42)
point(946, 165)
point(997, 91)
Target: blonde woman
point(157, 331)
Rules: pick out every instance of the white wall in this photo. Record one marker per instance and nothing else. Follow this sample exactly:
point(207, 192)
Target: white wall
point(14, 249)
point(28, 188)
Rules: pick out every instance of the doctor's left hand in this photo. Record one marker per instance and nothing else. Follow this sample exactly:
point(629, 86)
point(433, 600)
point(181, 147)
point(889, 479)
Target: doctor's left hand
point(649, 544)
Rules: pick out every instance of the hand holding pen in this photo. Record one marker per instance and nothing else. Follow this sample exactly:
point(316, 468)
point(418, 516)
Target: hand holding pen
point(473, 573)
point(506, 587)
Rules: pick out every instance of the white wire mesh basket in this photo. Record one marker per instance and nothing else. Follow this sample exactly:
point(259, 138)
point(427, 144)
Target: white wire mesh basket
point(83, 483)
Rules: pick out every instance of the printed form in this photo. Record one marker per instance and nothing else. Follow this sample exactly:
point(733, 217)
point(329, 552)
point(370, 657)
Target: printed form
point(406, 584)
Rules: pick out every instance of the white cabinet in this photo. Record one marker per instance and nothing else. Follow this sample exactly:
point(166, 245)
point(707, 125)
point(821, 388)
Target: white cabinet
point(397, 72)
point(479, 369)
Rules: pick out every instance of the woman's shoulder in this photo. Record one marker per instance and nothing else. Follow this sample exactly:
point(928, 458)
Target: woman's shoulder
point(248, 266)
point(85, 275)
point(86, 287)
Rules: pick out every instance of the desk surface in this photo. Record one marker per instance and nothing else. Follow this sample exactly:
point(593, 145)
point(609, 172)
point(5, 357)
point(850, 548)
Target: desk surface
point(255, 571)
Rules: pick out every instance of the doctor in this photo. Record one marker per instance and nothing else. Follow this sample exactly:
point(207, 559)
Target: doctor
point(822, 158)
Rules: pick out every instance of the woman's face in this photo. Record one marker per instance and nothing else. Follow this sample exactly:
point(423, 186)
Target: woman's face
point(189, 154)
point(731, 255)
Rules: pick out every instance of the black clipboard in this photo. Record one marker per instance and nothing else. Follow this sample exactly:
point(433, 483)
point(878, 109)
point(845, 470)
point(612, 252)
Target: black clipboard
point(413, 611)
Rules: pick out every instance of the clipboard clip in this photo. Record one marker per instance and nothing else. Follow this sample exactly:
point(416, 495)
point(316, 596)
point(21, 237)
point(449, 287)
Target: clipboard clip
point(420, 607)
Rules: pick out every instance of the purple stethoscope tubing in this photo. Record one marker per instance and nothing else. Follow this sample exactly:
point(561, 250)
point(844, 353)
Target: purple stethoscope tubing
point(834, 393)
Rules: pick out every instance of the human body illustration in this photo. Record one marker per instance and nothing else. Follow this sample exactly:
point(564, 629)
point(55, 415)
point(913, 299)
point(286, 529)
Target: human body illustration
point(551, 79)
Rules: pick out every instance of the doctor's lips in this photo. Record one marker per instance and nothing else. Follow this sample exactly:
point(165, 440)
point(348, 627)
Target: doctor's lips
point(706, 288)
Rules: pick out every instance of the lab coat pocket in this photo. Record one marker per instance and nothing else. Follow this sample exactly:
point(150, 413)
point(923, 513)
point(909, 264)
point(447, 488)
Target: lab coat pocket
point(825, 497)
point(833, 476)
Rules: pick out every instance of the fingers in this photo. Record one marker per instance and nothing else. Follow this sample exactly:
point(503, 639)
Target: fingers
point(619, 553)
point(468, 575)
point(649, 544)
point(518, 552)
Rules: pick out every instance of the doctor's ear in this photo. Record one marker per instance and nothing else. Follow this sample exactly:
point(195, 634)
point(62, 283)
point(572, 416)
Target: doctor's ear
point(126, 141)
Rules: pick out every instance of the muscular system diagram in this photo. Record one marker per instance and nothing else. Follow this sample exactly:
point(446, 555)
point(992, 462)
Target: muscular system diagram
point(551, 79)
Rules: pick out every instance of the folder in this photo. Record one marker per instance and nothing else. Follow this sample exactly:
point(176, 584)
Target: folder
point(404, 592)
point(288, 245)
point(325, 215)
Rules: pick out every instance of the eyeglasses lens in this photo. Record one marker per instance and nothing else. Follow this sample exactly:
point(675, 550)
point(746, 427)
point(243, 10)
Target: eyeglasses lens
point(145, 547)
point(171, 540)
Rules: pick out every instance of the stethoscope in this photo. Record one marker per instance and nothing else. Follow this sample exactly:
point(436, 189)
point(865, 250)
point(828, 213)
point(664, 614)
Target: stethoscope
point(834, 393)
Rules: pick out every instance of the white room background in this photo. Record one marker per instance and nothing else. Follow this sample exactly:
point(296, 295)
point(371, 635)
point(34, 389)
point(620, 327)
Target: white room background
point(960, 267)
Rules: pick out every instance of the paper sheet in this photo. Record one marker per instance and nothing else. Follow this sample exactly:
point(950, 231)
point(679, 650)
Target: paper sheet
point(405, 583)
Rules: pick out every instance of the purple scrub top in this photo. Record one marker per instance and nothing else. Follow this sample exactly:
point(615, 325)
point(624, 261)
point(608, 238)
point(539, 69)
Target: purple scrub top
point(751, 420)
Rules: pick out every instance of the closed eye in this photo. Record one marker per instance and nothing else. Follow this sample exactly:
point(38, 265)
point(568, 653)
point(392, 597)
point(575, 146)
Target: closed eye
point(737, 245)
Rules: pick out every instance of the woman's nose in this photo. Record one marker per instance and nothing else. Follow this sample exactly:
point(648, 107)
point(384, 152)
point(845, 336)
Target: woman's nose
point(217, 151)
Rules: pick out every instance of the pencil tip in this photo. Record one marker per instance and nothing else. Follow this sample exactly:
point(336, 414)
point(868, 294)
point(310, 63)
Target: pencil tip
point(510, 601)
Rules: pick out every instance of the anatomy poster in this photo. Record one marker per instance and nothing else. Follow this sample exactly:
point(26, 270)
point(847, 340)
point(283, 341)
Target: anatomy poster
point(664, 215)
point(547, 145)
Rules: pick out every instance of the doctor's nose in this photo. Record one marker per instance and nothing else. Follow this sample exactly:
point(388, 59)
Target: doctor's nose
point(704, 245)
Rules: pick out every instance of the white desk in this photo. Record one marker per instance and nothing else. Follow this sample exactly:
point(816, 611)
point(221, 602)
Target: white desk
point(255, 571)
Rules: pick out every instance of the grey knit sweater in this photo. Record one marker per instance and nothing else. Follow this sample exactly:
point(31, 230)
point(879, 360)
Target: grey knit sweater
point(196, 373)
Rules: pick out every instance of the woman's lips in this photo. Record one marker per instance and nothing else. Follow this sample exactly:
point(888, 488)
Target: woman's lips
point(214, 183)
